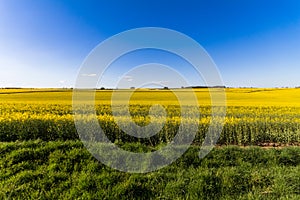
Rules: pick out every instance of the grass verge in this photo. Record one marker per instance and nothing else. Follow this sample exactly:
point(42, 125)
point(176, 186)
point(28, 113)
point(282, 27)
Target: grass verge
point(66, 170)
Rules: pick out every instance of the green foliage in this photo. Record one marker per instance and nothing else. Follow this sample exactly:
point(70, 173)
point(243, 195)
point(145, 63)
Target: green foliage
point(66, 170)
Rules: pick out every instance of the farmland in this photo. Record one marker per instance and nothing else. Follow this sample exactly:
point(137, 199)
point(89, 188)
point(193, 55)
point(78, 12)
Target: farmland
point(42, 156)
point(253, 116)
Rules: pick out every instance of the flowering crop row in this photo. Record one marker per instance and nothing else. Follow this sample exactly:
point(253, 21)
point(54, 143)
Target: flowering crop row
point(243, 125)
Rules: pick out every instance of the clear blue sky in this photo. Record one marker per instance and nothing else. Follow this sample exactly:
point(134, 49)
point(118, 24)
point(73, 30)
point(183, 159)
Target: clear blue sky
point(254, 43)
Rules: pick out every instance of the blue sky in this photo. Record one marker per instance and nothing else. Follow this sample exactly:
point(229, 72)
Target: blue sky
point(253, 43)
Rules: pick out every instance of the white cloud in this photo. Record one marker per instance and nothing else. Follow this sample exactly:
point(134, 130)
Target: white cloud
point(128, 78)
point(90, 75)
point(163, 83)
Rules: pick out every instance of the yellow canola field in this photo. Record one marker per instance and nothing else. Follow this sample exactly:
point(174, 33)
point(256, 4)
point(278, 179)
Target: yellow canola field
point(235, 96)
point(253, 116)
